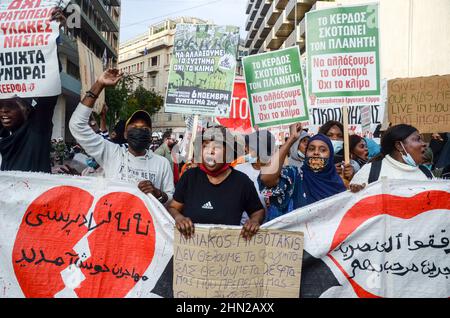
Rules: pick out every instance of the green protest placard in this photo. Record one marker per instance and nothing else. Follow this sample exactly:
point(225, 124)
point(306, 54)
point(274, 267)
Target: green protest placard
point(342, 46)
point(202, 70)
point(275, 88)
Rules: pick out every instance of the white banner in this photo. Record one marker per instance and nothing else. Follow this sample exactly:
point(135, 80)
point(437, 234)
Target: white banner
point(28, 50)
point(83, 237)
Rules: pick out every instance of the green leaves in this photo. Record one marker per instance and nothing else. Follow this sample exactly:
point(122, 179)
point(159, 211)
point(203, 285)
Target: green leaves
point(122, 101)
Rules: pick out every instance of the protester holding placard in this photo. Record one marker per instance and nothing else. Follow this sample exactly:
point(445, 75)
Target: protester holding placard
point(26, 127)
point(133, 164)
point(298, 150)
point(215, 193)
point(287, 188)
point(335, 131)
point(259, 147)
point(402, 153)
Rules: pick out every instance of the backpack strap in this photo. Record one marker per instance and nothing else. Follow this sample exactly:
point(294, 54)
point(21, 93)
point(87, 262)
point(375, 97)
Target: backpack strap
point(426, 171)
point(375, 170)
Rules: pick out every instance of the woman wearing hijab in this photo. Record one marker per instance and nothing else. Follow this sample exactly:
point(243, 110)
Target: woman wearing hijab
point(288, 188)
point(402, 153)
point(215, 193)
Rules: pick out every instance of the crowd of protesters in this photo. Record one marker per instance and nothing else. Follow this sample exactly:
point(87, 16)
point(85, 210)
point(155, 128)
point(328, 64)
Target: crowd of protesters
point(248, 187)
point(229, 180)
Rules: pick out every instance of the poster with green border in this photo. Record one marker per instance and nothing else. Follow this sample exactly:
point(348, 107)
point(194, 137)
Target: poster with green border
point(342, 46)
point(202, 70)
point(275, 88)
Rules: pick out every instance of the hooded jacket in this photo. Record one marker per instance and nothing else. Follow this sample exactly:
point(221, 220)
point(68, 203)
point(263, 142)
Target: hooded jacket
point(294, 158)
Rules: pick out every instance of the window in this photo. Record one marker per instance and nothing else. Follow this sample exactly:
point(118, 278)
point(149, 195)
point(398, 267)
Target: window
point(152, 80)
point(154, 61)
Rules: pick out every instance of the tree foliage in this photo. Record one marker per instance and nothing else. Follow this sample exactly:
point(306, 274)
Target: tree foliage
point(123, 101)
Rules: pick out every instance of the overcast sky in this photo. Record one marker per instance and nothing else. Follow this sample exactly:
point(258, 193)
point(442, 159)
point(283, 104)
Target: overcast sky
point(137, 15)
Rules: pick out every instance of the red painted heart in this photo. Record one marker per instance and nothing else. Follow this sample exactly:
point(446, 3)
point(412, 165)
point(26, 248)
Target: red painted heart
point(121, 243)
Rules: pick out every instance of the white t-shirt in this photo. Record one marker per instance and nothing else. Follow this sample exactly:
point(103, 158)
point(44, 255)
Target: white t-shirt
point(391, 169)
point(253, 174)
point(118, 163)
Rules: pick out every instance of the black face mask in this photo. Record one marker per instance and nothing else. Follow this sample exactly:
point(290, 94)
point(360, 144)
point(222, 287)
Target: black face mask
point(361, 161)
point(139, 139)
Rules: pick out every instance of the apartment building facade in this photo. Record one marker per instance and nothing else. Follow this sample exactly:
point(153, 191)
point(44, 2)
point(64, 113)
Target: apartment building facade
point(414, 36)
point(99, 31)
point(147, 59)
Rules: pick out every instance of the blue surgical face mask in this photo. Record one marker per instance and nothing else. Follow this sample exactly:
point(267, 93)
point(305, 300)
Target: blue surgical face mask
point(248, 158)
point(407, 158)
point(338, 145)
point(92, 163)
point(429, 166)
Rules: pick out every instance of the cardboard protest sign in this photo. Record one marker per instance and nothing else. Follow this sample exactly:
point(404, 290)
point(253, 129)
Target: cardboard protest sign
point(423, 102)
point(82, 237)
point(28, 51)
point(202, 70)
point(91, 68)
point(342, 47)
point(239, 120)
point(219, 263)
point(275, 88)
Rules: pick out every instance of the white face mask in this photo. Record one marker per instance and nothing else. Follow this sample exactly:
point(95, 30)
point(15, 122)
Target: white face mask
point(337, 145)
point(407, 158)
point(301, 154)
point(248, 158)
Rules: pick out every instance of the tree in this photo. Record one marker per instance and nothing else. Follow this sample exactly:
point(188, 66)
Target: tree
point(142, 99)
point(122, 101)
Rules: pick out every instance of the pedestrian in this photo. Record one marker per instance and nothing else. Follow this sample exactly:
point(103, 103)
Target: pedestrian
point(214, 192)
point(26, 127)
point(289, 188)
point(334, 130)
point(298, 150)
point(135, 164)
point(259, 147)
point(402, 153)
point(358, 151)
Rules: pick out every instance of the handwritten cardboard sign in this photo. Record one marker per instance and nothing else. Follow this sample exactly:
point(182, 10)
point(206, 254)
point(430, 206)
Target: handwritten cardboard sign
point(423, 102)
point(219, 263)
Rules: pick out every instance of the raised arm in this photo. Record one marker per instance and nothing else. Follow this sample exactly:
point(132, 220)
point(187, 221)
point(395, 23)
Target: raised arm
point(270, 174)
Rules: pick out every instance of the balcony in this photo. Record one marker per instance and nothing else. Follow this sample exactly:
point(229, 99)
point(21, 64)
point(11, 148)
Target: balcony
point(273, 41)
point(302, 6)
point(281, 4)
point(69, 48)
point(109, 24)
point(88, 27)
point(249, 6)
point(272, 15)
point(262, 13)
point(156, 45)
point(283, 27)
point(112, 3)
point(70, 85)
